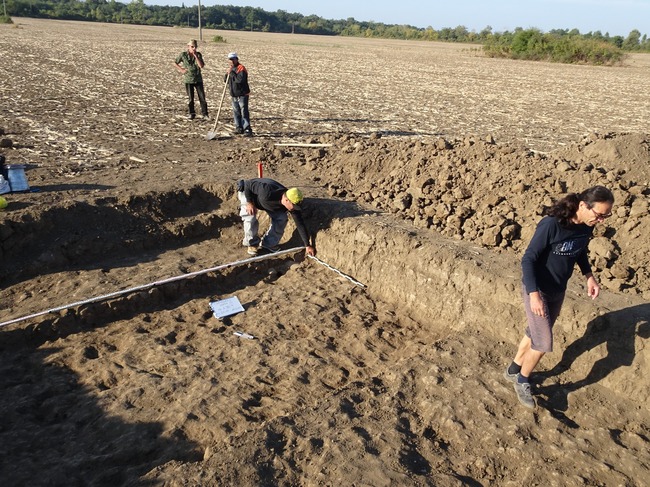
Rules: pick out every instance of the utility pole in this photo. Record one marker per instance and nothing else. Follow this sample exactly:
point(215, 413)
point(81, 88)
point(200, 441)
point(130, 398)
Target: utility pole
point(200, 31)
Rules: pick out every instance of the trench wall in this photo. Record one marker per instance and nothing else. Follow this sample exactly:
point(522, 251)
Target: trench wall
point(450, 287)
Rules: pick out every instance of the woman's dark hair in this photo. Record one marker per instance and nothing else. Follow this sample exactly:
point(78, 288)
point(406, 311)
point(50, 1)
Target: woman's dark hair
point(566, 208)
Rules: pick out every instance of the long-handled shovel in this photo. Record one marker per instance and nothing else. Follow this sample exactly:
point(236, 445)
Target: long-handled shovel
point(212, 134)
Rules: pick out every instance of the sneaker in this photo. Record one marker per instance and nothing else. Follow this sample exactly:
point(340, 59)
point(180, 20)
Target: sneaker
point(510, 377)
point(524, 394)
point(248, 133)
point(273, 250)
point(191, 117)
point(239, 130)
point(252, 250)
point(205, 118)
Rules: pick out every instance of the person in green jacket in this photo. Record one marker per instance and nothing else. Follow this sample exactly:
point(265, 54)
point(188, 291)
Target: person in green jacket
point(189, 63)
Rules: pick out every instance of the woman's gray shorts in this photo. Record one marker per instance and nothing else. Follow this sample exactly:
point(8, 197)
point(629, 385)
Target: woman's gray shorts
point(540, 328)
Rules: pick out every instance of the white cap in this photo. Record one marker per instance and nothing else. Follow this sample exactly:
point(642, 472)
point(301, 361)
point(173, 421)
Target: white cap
point(233, 55)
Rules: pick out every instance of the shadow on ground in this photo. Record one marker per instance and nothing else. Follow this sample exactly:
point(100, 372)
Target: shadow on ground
point(618, 331)
point(55, 433)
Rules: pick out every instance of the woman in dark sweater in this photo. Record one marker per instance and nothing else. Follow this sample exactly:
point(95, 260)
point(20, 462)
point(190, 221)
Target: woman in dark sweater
point(560, 241)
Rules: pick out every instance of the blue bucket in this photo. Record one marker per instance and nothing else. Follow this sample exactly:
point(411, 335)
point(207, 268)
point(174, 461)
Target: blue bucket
point(16, 177)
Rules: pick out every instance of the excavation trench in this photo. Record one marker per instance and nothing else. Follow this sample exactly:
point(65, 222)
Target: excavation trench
point(447, 287)
point(410, 364)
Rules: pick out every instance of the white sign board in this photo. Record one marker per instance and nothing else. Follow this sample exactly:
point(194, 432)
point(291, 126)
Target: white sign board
point(226, 307)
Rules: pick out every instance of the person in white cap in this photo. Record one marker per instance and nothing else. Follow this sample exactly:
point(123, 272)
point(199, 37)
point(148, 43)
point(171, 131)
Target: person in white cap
point(239, 91)
point(189, 63)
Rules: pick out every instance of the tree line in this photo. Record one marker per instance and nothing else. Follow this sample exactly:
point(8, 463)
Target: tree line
point(534, 45)
point(228, 17)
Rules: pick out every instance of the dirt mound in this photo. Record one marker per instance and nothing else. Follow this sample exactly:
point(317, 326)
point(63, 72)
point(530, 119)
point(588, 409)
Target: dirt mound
point(493, 194)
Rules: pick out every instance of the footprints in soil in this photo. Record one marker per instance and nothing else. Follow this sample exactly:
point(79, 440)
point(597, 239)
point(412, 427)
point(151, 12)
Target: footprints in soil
point(253, 402)
point(91, 353)
point(409, 456)
point(368, 440)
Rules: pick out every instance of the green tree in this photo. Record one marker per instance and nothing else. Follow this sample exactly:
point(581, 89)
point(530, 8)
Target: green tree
point(138, 11)
point(524, 41)
point(617, 41)
point(633, 41)
point(485, 33)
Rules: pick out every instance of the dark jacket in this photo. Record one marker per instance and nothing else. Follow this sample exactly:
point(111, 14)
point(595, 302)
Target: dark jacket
point(552, 254)
point(266, 194)
point(238, 82)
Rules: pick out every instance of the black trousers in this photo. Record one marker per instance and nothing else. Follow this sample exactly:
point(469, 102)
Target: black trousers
point(190, 87)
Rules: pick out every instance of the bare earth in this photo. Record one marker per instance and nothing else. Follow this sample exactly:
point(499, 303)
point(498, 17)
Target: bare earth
point(435, 167)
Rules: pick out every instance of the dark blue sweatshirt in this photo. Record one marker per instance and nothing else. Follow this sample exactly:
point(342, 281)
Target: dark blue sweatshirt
point(552, 254)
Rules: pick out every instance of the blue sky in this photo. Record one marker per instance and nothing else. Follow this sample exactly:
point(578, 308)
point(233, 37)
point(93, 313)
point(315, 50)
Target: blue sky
point(618, 17)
